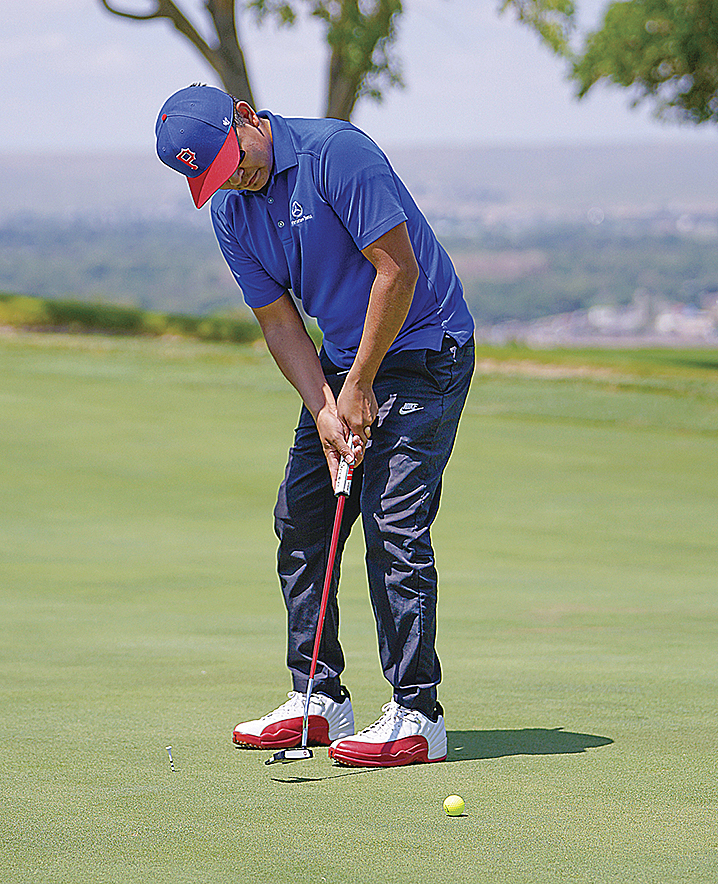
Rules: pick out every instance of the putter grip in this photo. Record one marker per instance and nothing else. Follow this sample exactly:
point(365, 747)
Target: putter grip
point(344, 478)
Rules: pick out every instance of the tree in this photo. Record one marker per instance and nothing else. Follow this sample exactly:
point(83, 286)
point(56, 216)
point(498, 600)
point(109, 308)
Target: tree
point(664, 51)
point(359, 33)
point(225, 56)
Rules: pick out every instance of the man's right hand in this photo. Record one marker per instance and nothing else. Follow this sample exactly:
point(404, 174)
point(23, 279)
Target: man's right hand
point(337, 441)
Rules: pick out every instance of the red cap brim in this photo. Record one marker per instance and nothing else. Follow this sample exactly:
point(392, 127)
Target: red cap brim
point(223, 167)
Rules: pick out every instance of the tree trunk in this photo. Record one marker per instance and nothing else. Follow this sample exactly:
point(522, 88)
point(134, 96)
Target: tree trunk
point(359, 37)
point(229, 61)
point(342, 89)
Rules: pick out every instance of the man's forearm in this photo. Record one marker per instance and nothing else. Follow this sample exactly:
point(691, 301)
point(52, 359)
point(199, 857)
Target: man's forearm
point(295, 354)
point(389, 301)
point(389, 305)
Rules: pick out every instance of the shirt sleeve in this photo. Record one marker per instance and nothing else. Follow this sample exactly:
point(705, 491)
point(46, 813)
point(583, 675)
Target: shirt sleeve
point(358, 183)
point(258, 287)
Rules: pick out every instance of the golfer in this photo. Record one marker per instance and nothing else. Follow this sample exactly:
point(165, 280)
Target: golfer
point(311, 212)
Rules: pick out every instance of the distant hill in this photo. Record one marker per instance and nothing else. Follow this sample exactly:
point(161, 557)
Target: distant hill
point(462, 183)
point(496, 184)
point(532, 232)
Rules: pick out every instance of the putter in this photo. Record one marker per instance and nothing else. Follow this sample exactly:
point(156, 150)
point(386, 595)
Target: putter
point(342, 487)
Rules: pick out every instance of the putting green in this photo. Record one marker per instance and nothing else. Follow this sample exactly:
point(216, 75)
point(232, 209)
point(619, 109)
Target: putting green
point(578, 553)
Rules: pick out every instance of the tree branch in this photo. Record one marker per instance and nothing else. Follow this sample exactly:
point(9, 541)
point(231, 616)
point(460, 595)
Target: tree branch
point(167, 9)
point(135, 16)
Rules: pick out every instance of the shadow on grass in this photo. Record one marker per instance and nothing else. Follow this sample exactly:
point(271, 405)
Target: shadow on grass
point(474, 745)
point(337, 772)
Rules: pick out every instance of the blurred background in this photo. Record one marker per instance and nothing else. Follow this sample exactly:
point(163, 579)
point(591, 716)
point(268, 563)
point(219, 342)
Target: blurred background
point(567, 219)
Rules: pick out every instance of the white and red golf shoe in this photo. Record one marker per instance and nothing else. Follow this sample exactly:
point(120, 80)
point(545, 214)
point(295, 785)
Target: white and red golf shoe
point(400, 736)
point(282, 728)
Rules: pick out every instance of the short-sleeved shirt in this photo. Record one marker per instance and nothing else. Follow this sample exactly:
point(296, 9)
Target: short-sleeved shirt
point(332, 193)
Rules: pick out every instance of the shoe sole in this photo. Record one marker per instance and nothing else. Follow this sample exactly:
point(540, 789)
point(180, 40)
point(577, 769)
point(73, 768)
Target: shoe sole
point(285, 734)
point(409, 750)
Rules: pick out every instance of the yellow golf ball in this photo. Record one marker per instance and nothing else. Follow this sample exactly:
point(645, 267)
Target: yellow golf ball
point(454, 805)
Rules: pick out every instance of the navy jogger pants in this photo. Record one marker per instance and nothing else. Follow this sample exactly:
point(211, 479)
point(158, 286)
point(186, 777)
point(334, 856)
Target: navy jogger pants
point(397, 488)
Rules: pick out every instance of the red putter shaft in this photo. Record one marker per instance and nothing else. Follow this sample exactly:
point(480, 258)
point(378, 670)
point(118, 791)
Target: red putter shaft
point(342, 487)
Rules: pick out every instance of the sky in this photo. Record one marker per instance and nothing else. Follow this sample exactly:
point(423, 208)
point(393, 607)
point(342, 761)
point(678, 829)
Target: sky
point(77, 79)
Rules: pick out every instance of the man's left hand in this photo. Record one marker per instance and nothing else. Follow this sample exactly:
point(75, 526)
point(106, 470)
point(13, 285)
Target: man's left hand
point(357, 408)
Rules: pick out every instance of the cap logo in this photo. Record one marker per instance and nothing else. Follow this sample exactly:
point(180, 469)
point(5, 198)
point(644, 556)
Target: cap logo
point(225, 122)
point(188, 157)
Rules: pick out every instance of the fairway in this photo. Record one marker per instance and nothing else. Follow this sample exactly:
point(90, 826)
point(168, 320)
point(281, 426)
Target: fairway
point(578, 627)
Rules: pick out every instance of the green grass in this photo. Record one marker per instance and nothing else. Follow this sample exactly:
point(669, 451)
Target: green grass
point(578, 552)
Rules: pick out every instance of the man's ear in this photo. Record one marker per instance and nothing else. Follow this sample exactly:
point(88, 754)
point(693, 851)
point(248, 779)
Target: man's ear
point(247, 113)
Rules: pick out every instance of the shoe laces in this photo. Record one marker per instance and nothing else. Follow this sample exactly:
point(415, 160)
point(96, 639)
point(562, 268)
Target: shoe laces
point(392, 715)
point(295, 701)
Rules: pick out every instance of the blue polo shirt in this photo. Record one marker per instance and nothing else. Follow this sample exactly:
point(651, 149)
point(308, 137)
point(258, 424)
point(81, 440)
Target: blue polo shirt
point(332, 192)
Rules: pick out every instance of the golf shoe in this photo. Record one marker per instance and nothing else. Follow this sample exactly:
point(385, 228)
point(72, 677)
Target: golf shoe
point(282, 728)
point(400, 736)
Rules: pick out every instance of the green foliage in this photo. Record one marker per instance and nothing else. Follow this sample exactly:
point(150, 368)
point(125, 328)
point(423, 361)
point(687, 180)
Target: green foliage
point(551, 19)
point(284, 13)
point(664, 51)
point(20, 310)
point(360, 36)
point(80, 316)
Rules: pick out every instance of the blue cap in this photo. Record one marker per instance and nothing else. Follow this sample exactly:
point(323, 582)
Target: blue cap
point(195, 136)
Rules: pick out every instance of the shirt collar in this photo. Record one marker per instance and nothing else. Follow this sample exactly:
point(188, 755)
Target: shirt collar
point(285, 156)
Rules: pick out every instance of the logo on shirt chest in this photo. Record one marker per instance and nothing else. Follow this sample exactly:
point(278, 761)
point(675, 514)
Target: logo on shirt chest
point(298, 214)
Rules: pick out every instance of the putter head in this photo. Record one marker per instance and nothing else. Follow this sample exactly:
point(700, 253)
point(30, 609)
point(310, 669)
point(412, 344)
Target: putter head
point(285, 756)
